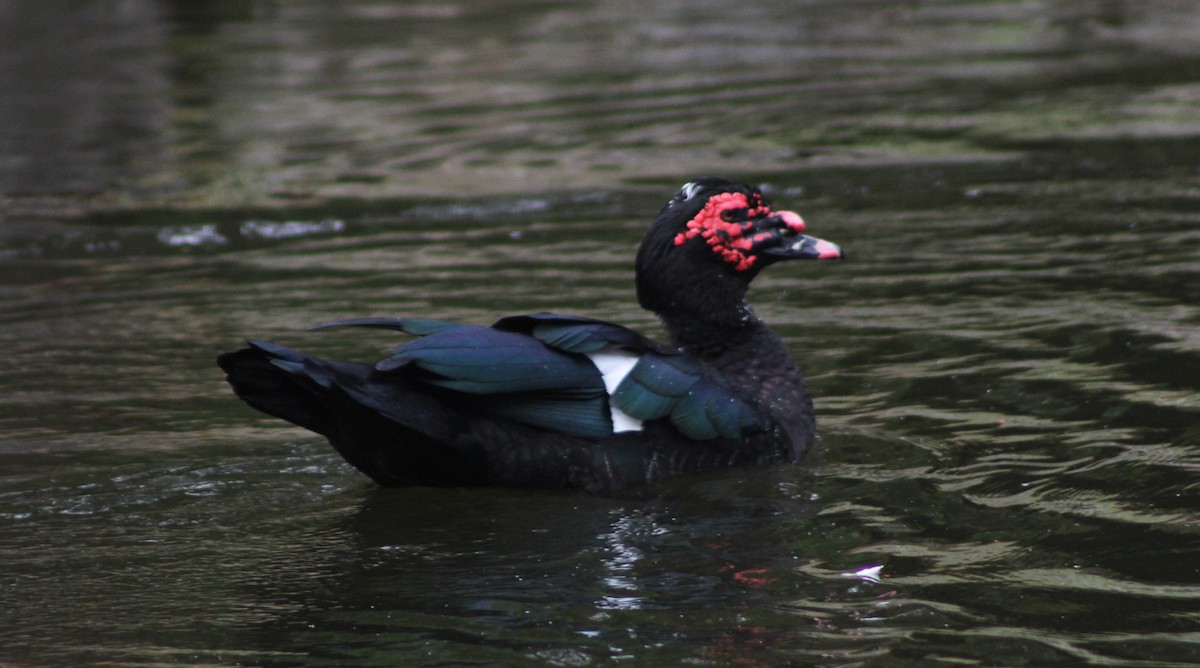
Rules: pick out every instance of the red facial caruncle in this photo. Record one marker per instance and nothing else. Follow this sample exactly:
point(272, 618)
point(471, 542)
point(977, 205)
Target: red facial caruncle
point(727, 224)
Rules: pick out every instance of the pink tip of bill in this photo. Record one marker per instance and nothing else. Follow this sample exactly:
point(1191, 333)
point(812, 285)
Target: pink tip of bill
point(826, 250)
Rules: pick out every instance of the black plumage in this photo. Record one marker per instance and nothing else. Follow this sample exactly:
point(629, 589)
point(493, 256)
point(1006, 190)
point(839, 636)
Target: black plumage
point(564, 401)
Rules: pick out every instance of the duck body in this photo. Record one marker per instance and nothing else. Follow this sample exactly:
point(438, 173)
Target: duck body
point(549, 400)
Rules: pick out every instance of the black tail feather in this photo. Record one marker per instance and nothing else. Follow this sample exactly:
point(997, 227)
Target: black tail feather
point(261, 383)
point(414, 441)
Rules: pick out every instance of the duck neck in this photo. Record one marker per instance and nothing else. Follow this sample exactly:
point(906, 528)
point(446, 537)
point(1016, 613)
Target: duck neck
point(735, 341)
point(710, 334)
point(710, 319)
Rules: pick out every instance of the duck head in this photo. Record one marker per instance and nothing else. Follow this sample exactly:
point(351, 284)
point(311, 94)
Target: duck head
point(710, 241)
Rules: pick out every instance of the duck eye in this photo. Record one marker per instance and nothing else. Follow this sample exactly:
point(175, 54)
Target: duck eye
point(729, 215)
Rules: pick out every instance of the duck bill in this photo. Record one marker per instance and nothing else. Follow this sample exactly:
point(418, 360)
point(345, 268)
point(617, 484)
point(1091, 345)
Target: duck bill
point(780, 236)
point(804, 247)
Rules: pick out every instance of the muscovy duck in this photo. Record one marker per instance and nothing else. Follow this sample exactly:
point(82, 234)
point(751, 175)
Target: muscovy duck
point(564, 401)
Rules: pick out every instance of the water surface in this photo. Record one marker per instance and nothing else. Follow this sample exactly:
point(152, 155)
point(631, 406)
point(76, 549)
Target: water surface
point(1006, 367)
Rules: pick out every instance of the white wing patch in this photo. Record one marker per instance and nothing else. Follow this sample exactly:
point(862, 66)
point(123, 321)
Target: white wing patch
point(614, 364)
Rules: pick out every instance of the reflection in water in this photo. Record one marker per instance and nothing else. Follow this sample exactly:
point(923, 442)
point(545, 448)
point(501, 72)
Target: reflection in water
point(1005, 369)
point(620, 579)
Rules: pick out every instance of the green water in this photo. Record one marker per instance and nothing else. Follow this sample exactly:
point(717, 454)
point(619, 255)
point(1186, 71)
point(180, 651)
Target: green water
point(1006, 368)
